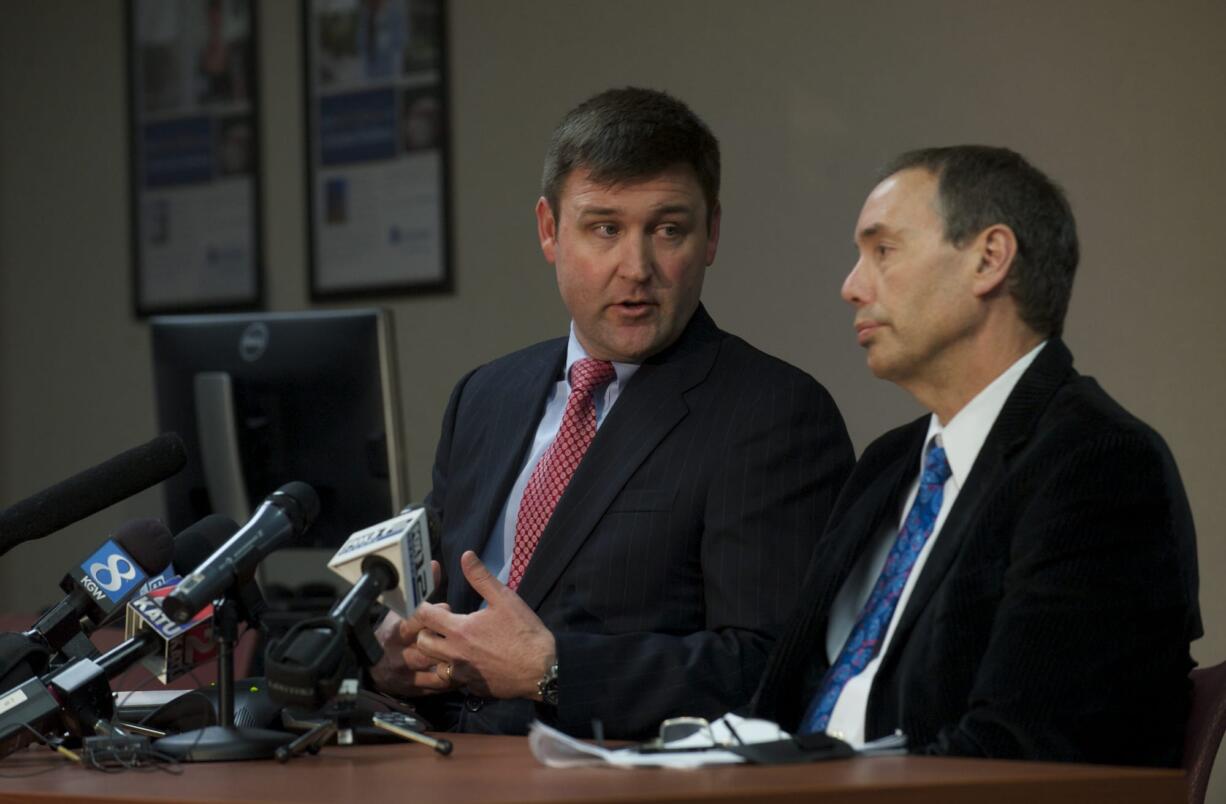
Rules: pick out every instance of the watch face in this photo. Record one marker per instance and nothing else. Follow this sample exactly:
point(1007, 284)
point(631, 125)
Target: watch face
point(548, 685)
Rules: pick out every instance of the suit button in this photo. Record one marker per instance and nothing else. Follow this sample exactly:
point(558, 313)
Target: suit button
point(473, 703)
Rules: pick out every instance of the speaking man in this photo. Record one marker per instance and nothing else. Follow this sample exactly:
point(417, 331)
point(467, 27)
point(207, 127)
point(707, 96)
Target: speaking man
point(626, 512)
point(1013, 575)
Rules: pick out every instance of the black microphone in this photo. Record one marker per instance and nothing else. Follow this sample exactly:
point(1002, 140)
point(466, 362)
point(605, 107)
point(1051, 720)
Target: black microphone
point(148, 630)
point(104, 582)
point(283, 516)
point(169, 649)
point(378, 576)
point(92, 490)
point(307, 665)
point(194, 546)
point(77, 696)
point(21, 658)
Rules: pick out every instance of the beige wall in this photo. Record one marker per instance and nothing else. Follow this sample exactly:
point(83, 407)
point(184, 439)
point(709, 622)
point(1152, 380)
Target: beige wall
point(1122, 102)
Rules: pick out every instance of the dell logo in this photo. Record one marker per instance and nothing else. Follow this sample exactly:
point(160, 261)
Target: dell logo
point(253, 342)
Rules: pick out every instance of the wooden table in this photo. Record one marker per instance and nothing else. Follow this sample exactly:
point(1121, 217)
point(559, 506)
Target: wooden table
point(501, 769)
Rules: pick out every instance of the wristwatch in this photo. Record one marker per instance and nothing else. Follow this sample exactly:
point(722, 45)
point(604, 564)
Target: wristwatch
point(548, 685)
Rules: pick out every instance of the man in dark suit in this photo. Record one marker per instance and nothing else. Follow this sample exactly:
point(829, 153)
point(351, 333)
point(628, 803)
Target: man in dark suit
point(1015, 574)
point(626, 513)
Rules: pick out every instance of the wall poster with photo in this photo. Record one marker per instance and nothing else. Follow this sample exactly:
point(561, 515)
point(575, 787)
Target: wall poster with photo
point(377, 146)
point(194, 136)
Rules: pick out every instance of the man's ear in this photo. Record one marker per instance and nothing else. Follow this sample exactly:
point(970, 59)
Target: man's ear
point(546, 229)
point(997, 249)
point(713, 234)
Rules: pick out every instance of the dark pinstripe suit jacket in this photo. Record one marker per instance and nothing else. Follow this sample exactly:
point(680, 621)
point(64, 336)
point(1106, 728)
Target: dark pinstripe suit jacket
point(1053, 617)
point(677, 550)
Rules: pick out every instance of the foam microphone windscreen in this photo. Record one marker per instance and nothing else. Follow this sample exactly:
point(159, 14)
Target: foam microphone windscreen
point(201, 540)
point(92, 490)
point(148, 542)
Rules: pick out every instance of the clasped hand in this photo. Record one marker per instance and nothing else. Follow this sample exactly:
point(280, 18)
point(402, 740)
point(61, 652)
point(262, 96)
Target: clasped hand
point(500, 651)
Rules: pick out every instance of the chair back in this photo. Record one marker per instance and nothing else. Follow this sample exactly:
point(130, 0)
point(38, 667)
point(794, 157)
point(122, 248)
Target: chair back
point(1206, 723)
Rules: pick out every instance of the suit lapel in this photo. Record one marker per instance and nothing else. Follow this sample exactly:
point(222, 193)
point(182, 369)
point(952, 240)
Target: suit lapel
point(1012, 428)
point(870, 499)
point(879, 504)
point(648, 409)
point(510, 429)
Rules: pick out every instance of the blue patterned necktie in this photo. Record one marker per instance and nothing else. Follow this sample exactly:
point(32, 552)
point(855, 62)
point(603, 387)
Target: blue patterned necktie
point(865, 639)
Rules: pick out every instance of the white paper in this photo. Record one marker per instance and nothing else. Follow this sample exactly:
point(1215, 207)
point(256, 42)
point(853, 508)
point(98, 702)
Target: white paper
point(557, 750)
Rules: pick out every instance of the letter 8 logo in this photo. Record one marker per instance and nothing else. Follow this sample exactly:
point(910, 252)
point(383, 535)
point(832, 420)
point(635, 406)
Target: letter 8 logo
point(114, 571)
point(117, 568)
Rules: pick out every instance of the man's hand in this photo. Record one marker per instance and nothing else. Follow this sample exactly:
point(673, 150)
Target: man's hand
point(500, 651)
point(404, 670)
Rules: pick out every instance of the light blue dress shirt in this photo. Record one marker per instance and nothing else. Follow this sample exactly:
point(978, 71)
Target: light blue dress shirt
point(497, 553)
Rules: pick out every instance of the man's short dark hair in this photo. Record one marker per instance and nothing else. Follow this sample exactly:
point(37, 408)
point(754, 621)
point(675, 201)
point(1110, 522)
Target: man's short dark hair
point(625, 135)
point(979, 186)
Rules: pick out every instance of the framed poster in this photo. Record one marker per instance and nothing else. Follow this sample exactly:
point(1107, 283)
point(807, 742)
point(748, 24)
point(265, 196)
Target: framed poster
point(377, 146)
point(195, 191)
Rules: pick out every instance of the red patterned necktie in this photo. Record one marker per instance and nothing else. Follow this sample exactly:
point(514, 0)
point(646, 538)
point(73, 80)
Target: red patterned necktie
point(556, 467)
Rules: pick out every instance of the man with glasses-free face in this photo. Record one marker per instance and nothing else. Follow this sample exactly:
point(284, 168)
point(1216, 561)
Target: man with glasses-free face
point(627, 511)
point(1013, 574)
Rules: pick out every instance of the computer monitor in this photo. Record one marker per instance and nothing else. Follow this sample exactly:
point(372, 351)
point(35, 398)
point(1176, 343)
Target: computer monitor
point(265, 398)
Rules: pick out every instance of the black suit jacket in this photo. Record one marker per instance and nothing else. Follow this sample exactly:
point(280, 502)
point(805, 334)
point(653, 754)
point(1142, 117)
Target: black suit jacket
point(676, 552)
point(1053, 617)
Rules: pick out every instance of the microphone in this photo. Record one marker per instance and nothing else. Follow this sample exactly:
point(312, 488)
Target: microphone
point(185, 647)
point(282, 517)
point(74, 697)
point(92, 490)
point(194, 546)
point(174, 649)
point(196, 543)
point(404, 542)
point(168, 649)
point(191, 547)
point(104, 582)
point(77, 695)
point(21, 658)
point(307, 665)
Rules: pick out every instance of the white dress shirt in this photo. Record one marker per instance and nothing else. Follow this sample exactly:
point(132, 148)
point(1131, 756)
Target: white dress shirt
point(962, 439)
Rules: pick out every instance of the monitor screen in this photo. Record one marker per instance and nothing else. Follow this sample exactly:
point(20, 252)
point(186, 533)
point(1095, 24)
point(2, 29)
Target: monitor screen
point(265, 398)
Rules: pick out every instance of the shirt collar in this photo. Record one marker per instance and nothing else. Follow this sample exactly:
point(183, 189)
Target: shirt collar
point(575, 352)
point(963, 437)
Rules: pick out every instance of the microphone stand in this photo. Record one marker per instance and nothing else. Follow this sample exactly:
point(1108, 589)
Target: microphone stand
point(326, 666)
point(224, 742)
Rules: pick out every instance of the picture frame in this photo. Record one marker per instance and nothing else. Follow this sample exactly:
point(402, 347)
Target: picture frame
point(195, 192)
point(378, 147)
